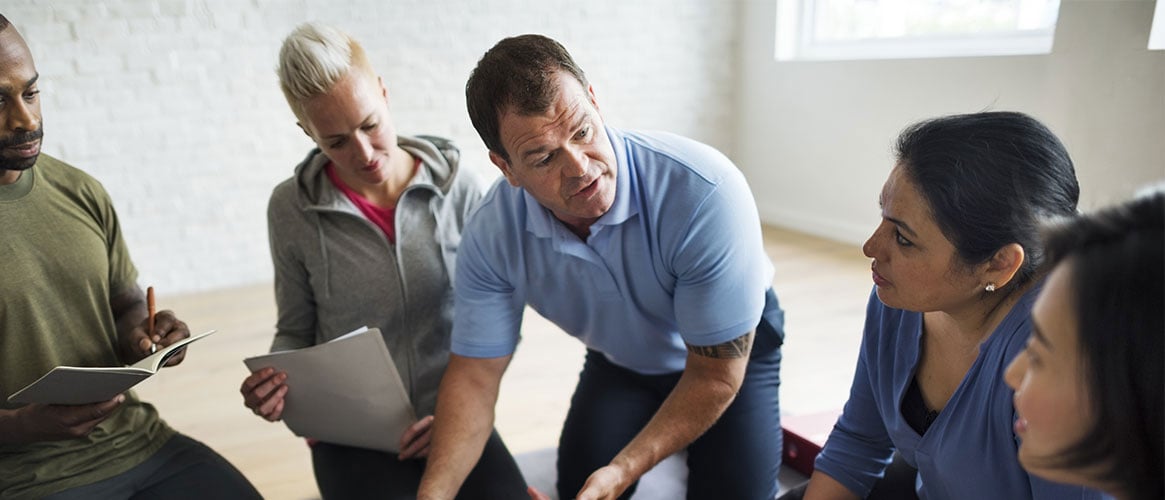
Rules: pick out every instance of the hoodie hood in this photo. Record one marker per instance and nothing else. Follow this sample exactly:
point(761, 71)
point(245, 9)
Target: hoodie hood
point(336, 271)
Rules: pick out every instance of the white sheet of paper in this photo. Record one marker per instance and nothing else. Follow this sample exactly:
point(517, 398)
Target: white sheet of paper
point(346, 391)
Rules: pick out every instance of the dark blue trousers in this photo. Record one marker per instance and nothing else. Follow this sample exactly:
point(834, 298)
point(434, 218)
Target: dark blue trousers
point(182, 469)
point(346, 472)
point(737, 458)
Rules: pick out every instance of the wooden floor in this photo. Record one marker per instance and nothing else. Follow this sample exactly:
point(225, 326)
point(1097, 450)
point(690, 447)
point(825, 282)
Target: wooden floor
point(822, 285)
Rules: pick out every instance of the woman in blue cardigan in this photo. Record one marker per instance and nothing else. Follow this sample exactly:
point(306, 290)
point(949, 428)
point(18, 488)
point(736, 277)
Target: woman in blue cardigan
point(957, 262)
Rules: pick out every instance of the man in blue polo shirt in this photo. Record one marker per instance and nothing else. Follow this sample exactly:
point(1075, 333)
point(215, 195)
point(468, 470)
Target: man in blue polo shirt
point(645, 246)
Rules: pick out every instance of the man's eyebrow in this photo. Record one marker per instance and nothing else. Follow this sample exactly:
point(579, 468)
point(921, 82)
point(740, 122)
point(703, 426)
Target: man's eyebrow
point(578, 123)
point(538, 150)
point(582, 119)
point(32, 81)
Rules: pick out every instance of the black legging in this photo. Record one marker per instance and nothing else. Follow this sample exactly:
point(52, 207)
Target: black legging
point(345, 472)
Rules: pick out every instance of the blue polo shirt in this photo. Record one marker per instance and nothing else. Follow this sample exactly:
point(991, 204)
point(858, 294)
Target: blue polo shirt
point(678, 258)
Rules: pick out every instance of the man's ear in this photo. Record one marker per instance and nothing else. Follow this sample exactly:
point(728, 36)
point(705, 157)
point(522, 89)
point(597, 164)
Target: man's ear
point(591, 93)
point(383, 88)
point(504, 166)
point(1004, 264)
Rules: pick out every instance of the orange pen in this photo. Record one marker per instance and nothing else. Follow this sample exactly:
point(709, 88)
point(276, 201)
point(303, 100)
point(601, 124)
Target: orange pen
point(150, 321)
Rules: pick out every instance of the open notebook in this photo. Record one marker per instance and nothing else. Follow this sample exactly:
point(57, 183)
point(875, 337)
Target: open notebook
point(75, 385)
point(345, 391)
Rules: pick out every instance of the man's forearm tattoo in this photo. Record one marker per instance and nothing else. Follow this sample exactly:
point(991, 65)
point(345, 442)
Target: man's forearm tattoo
point(735, 348)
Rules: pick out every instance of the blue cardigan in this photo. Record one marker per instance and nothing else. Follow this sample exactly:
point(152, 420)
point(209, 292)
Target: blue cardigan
point(970, 449)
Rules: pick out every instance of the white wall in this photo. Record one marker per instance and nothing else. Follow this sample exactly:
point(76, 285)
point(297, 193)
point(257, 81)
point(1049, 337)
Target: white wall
point(815, 137)
point(174, 106)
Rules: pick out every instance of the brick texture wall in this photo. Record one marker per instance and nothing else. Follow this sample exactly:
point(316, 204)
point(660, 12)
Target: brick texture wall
point(175, 107)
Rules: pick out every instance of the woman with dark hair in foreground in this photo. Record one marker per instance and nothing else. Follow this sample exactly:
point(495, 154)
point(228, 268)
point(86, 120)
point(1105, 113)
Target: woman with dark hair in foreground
point(1089, 387)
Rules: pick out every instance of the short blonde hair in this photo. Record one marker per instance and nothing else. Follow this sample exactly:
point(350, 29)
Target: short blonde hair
point(313, 58)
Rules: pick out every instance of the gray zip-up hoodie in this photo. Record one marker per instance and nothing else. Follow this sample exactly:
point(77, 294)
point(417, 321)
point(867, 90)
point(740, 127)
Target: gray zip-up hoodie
point(335, 271)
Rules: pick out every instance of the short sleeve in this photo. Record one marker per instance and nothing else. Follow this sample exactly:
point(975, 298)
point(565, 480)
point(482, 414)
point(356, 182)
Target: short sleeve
point(487, 312)
point(721, 267)
point(122, 273)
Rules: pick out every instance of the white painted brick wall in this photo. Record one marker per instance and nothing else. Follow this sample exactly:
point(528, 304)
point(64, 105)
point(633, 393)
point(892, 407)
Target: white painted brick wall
point(175, 107)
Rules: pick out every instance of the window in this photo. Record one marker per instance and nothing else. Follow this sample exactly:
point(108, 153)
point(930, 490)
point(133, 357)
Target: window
point(896, 29)
point(1157, 32)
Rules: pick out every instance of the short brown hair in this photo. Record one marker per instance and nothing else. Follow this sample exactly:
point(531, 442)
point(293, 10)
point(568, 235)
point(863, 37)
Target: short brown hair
point(518, 72)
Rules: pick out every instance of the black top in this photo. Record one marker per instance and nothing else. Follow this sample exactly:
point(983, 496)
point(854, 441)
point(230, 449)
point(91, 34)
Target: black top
point(914, 409)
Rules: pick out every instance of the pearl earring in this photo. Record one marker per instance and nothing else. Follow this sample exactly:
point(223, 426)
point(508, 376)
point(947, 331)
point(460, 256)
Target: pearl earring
point(990, 287)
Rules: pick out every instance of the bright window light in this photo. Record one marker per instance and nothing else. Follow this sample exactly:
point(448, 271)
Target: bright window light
point(1157, 32)
point(898, 29)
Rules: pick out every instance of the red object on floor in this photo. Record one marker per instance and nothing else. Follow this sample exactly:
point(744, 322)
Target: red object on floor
point(804, 437)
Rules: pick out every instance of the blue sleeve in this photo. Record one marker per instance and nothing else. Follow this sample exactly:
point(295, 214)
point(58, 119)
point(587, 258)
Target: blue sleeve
point(859, 448)
point(487, 312)
point(721, 267)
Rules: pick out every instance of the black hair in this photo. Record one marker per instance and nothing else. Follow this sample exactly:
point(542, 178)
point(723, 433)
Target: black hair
point(991, 179)
point(517, 72)
point(1116, 259)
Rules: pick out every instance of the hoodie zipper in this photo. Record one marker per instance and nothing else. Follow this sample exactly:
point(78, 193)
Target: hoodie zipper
point(394, 249)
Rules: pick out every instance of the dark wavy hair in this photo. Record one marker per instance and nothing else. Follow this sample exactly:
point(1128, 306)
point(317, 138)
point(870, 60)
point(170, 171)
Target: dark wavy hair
point(1116, 259)
point(991, 179)
point(517, 72)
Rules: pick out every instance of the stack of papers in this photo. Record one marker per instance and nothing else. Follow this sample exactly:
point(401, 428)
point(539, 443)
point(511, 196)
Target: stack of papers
point(346, 391)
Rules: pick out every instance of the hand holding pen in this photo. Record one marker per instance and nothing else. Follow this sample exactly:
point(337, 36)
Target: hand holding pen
point(159, 330)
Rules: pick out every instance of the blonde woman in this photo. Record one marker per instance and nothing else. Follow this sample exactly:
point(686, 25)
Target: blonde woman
point(366, 233)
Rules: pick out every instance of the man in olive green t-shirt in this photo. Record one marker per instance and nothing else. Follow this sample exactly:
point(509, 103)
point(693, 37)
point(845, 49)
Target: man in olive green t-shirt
point(68, 296)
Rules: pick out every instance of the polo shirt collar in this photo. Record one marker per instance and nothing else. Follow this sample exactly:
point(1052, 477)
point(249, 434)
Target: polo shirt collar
point(626, 190)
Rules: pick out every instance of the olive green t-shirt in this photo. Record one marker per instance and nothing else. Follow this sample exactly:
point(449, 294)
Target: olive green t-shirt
point(62, 257)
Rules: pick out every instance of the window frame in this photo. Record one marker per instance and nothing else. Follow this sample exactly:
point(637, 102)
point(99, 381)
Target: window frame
point(795, 41)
